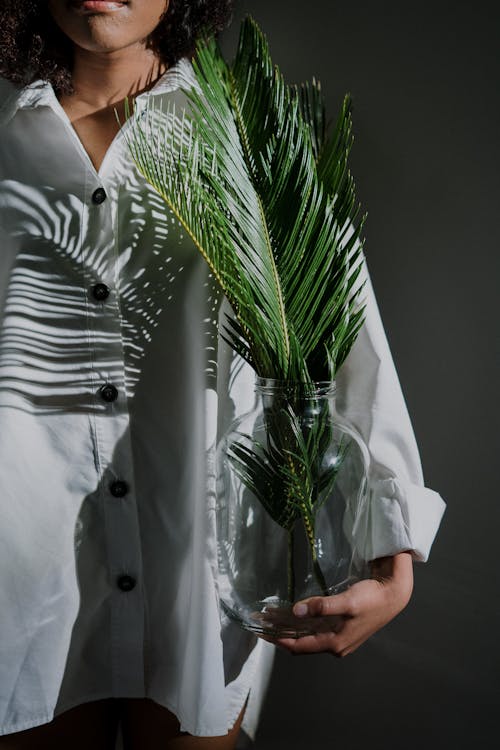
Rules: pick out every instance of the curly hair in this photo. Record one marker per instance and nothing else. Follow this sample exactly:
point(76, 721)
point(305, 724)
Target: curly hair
point(32, 46)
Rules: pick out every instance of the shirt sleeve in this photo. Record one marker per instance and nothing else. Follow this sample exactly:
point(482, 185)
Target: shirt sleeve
point(403, 514)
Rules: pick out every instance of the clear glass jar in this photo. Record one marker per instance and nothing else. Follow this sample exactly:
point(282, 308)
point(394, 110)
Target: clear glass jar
point(291, 496)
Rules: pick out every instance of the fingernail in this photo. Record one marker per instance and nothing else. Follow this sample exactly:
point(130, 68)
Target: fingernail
point(300, 610)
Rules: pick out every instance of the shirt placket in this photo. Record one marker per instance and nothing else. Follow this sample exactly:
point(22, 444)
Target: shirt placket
point(111, 421)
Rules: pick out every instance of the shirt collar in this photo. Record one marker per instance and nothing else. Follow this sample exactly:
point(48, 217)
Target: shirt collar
point(40, 92)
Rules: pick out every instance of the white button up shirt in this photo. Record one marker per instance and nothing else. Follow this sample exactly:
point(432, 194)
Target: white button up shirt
point(107, 534)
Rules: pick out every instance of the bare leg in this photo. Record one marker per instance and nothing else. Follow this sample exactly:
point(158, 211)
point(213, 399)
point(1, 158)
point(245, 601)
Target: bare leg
point(91, 725)
point(148, 726)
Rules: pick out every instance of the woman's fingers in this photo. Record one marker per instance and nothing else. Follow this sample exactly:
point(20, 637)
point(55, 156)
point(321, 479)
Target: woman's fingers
point(311, 644)
point(324, 606)
point(343, 622)
point(364, 608)
point(338, 644)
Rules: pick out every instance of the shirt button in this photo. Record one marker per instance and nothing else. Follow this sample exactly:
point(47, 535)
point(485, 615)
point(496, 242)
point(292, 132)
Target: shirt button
point(100, 292)
point(125, 583)
point(108, 392)
point(118, 488)
point(99, 196)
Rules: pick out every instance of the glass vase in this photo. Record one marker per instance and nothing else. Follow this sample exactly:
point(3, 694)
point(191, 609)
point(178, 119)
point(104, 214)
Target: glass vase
point(291, 500)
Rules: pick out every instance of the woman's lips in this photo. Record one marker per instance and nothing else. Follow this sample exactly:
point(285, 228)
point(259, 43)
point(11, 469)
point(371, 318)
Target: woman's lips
point(99, 6)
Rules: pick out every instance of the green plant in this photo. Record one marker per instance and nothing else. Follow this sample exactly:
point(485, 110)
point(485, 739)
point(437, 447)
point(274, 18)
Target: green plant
point(264, 191)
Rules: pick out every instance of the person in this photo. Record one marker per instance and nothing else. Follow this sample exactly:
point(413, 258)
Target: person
point(114, 385)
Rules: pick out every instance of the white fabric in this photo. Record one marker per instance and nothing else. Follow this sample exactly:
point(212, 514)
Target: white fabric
point(403, 514)
point(68, 634)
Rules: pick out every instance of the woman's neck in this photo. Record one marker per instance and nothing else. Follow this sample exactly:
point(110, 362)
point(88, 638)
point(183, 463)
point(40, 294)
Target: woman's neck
point(103, 79)
point(101, 83)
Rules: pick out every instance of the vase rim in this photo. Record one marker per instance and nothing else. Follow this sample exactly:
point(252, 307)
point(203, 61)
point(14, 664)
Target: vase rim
point(312, 389)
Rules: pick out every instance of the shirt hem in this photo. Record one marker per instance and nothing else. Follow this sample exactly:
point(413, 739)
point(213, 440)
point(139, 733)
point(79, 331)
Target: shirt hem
point(186, 726)
point(61, 708)
point(198, 731)
point(20, 726)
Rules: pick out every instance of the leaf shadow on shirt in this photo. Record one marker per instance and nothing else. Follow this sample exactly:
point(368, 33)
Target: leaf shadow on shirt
point(58, 344)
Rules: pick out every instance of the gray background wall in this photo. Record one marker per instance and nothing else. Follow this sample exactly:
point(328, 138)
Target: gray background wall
point(424, 77)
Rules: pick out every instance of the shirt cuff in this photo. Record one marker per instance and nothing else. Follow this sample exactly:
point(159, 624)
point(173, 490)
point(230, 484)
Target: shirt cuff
point(402, 516)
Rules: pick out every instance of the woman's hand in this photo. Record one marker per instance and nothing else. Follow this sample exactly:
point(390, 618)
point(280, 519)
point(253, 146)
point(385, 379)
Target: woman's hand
point(359, 611)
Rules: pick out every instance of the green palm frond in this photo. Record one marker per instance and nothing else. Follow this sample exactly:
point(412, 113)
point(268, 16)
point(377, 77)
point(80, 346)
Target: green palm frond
point(268, 200)
point(263, 189)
